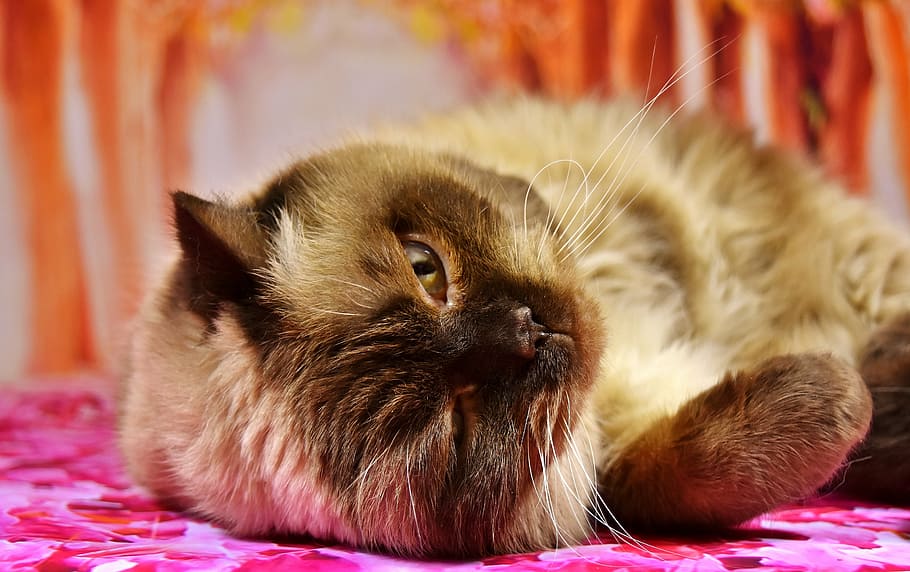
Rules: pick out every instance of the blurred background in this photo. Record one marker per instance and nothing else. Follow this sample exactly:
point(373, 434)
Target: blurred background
point(105, 105)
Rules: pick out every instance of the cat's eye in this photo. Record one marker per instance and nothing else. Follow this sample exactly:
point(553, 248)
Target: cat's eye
point(428, 268)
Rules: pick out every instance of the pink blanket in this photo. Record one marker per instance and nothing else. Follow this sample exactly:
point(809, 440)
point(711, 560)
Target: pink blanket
point(66, 504)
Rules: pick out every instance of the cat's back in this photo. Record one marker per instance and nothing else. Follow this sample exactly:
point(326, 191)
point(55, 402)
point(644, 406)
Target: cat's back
point(681, 212)
point(687, 171)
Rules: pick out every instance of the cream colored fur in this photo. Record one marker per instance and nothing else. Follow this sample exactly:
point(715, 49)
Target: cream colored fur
point(703, 198)
point(198, 428)
point(710, 261)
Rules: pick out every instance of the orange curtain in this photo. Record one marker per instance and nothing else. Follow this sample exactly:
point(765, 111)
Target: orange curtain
point(818, 64)
point(814, 76)
point(138, 72)
point(31, 77)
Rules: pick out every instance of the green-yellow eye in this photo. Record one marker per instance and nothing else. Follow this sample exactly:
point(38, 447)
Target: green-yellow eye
point(428, 268)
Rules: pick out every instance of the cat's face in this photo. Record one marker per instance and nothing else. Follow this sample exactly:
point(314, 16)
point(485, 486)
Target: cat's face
point(434, 347)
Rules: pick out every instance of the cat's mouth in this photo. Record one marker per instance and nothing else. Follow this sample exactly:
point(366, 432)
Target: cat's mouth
point(463, 418)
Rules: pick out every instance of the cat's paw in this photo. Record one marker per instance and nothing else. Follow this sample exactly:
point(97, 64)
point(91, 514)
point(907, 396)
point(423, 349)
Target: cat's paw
point(755, 440)
point(880, 468)
point(772, 435)
point(885, 361)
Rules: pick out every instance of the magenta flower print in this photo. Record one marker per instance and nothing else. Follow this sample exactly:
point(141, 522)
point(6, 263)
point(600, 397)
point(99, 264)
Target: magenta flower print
point(66, 504)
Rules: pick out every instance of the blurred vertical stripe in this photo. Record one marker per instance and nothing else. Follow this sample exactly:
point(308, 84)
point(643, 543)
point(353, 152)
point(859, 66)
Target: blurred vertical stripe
point(813, 75)
point(889, 34)
point(99, 100)
point(95, 104)
point(33, 41)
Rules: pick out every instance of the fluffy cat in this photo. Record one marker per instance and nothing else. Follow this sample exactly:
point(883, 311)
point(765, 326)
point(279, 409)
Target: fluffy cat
point(501, 328)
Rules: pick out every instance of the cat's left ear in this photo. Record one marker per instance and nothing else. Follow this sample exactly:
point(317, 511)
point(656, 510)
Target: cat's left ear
point(222, 245)
point(518, 195)
point(204, 225)
point(511, 192)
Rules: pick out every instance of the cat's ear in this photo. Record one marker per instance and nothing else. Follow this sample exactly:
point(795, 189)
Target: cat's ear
point(221, 244)
point(511, 192)
point(518, 196)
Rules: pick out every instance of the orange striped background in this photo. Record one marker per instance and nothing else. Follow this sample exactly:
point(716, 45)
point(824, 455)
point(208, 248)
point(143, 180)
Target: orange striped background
point(825, 77)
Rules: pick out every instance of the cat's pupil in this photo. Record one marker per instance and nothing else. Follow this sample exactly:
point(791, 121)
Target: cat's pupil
point(423, 268)
point(427, 267)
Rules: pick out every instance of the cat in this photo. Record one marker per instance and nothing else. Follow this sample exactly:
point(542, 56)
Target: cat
point(502, 328)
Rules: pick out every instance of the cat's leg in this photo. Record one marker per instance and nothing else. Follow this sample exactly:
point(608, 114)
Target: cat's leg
point(758, 438)
point(880, 468)
point(877, 276)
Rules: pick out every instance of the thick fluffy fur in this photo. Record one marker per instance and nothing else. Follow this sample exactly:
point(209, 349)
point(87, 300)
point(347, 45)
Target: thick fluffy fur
point(706, 304)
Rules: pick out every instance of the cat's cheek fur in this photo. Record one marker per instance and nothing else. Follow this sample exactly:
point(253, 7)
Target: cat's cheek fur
point(204, 432)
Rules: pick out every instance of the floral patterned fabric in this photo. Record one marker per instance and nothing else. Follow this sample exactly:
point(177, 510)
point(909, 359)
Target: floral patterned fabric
point(66, 504)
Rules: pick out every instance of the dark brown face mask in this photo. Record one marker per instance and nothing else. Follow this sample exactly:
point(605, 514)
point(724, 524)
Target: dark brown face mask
point(430, 354)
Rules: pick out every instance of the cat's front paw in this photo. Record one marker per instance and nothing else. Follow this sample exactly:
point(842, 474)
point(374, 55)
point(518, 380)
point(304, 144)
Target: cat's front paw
point(771, 435)
point(755, 440)
point(880, 468)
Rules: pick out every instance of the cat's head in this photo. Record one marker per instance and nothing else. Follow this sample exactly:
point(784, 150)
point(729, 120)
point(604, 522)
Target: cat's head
point(430, 346)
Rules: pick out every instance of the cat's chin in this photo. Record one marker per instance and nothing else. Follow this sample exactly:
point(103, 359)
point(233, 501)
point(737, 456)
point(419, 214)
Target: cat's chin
point(555, 511)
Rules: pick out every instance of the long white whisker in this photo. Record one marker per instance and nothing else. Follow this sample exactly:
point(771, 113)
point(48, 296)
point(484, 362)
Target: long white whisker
point(619, 533)
point(544, 504)
point(363, 474)
point(555, 209)
point(571, 490)
point(580, 246)
point(640, 115)
point(590, 478)
point(407, 465)
point(361, 479)
point(334, 312)
point(681, 72)
point(595, 510)
point(361, 286)
point(534, 180)
point(546, 485)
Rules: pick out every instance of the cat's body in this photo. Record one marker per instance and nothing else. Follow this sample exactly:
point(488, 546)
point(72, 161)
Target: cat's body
point(673, 306)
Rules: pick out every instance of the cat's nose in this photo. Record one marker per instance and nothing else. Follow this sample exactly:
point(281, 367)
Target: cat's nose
point(527, 335)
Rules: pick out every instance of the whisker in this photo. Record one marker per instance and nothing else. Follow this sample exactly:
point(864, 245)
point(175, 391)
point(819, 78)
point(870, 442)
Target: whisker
point(619, 532)
point(555, 209)
point(590, 478)
point(354, 284)
point(545, 500)
point(407, 465)
point(572, 491)
point(546, 479)
point(361, 478)
point(363, 474)
point(640, 115)
point(534, 180)
point(580, 246)
point(544, 504)
point(641, 112)
point(358, 304)
point(598, 501)
point(335, 312)
point(832, 489)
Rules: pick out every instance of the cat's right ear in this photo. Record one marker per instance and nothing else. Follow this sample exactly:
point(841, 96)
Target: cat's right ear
point(222, 244)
